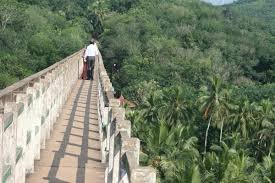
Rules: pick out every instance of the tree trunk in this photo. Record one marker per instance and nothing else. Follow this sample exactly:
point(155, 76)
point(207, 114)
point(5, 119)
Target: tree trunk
point(206, 134)
point(221, 131)
point(271, 147)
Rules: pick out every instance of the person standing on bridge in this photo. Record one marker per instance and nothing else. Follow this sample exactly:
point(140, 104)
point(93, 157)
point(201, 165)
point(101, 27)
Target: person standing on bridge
point(91, 54)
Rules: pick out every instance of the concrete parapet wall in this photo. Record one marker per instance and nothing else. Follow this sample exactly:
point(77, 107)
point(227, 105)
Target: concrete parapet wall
point(120, 151)
point(28, 111)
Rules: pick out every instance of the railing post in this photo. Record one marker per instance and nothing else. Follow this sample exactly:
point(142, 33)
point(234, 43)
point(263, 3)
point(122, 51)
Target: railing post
point(113, 104)
point(108, 126)
point(119, 114)
point(38, 113)
point(30, 134)
point(46, 106)
point(124, 128)
point(22, 103)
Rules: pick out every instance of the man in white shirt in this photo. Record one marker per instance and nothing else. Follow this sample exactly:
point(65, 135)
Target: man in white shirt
point(90, 55)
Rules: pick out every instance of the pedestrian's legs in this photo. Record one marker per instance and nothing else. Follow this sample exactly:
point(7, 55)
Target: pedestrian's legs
point(92, 67)
point(89, 68)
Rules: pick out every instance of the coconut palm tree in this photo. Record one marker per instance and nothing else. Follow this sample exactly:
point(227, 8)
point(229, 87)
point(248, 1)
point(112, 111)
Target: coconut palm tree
point(232, 165)
point(175, 107)
point(173, 153)
point(218, 158)
point(139, 128)
point(224, 110)
point(239, 169)
point(208, 102)
point(152, 107)
point(99, 8)
point(267, 124)
point(244, 118)
point(265, 169)
point(214, 105)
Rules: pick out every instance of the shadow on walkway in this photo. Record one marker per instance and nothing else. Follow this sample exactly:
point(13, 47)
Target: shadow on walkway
point(61, 152)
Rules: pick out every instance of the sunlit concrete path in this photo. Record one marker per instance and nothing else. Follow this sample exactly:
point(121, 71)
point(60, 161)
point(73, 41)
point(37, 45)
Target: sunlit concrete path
point(72, 153)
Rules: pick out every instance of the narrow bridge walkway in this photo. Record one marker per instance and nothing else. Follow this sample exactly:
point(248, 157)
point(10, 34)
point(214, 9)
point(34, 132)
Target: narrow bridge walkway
point(73, 152)
point(55, 128)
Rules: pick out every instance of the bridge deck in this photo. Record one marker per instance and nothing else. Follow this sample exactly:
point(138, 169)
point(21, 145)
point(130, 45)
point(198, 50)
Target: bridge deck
point(72, 153)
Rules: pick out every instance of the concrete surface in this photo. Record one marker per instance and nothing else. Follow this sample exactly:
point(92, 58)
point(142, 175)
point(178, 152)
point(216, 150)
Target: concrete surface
point(72, 154)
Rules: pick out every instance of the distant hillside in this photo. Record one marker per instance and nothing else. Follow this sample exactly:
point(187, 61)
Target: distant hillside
point(262, 9)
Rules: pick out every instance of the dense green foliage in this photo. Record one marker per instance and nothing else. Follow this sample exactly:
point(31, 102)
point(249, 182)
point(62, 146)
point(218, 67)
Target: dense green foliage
point(203, 79)
point(36, 33)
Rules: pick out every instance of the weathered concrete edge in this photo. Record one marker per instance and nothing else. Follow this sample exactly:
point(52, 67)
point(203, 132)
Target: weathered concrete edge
point(26, 81)
point(130, 147)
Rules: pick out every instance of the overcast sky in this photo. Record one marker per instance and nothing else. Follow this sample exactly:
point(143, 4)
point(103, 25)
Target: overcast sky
point(219, 2)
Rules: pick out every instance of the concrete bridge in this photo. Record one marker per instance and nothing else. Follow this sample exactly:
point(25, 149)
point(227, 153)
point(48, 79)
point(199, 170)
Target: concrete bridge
point(57, 128)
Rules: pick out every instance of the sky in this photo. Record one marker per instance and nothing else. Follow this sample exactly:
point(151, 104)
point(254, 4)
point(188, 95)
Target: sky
point(219, 2)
